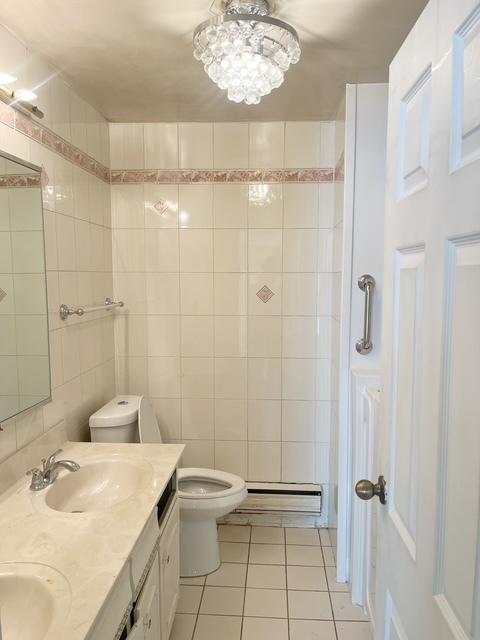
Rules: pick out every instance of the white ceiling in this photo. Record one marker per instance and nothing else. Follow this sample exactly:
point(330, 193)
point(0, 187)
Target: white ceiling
point(132, 59)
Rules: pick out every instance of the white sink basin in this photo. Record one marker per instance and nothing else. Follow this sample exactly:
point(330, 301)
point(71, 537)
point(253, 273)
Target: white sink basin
point(34, 599)
point(98, 485)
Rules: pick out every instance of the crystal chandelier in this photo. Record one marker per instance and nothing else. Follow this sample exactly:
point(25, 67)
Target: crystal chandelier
point(246, 52)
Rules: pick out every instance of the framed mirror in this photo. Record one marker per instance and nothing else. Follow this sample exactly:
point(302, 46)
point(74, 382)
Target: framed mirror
point(24, 350)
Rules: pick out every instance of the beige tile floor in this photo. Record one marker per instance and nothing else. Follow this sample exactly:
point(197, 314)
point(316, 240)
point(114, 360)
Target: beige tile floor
point(273, 584)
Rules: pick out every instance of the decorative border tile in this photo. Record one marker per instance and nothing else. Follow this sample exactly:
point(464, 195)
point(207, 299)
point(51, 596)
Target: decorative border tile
point(12, 181)
point(340, 169)
point(27, 126)
point(46, 137)
point(231, 176)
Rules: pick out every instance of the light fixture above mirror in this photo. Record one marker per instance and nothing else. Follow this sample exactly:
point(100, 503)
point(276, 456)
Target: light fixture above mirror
point(19, 98)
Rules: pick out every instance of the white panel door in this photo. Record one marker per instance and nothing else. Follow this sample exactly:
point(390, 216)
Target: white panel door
point(428, 568)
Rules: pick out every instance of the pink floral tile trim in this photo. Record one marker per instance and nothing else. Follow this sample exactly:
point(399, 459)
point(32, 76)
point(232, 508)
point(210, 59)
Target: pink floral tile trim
point(15, 181)
point(340, 169)
point(231, 175)
point(34, 130)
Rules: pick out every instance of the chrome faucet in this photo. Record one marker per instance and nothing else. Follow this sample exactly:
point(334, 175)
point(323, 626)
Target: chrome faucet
point(46, 476)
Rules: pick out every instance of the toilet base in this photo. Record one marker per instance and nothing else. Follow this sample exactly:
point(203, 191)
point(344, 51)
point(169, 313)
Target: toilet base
point(199, 551)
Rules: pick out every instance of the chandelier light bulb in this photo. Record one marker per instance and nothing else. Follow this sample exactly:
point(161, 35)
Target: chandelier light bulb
point(246, 52)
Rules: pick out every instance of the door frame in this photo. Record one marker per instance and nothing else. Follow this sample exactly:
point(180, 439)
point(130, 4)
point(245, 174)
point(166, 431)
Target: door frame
point(363, 219)
point(344, 409)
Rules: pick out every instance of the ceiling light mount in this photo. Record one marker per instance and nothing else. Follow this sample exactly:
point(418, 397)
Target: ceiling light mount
point(245, 51)
point(249, 7)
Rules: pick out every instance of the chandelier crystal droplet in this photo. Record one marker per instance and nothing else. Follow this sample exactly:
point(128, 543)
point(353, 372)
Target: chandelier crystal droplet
point(246, 52)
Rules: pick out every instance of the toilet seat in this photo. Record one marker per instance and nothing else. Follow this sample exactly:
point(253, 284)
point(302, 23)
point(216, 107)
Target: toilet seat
point(207, 484)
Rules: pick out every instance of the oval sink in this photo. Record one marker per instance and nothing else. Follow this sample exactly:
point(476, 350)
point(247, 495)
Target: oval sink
point(97, 485)
point(34, 599)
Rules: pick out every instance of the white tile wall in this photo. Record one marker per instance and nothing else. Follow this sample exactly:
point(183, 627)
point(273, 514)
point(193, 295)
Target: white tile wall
point(267, 145)
point(244, 383)
point(230, 145)
point(234, 145)
point(78, 253)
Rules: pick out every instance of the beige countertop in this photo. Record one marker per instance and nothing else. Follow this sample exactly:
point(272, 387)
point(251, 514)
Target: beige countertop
point(89, 549)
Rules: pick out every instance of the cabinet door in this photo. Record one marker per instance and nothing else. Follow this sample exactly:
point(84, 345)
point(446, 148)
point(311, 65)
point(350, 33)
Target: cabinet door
point(169, 551)
point(147, 610)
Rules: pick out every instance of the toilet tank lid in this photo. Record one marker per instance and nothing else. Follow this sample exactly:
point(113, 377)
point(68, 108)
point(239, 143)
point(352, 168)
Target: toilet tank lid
point(121, 410)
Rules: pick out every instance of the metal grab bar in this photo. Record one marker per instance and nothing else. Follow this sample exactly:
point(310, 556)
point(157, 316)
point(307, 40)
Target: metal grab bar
point(65, 311)
point(367, 284)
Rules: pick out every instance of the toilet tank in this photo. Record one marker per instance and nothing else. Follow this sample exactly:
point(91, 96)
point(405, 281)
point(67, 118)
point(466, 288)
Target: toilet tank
point(116, 421)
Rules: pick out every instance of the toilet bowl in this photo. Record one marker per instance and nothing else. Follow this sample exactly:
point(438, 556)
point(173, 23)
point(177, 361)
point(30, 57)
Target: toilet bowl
point(204, 494)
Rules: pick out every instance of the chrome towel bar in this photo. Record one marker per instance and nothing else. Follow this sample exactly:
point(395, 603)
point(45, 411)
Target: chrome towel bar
point(367, 284)
point(65, 311)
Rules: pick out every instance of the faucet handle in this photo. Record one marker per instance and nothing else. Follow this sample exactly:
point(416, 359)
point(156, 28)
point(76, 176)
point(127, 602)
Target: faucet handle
point(38, 479)
point(36, 473)
point(47, 463)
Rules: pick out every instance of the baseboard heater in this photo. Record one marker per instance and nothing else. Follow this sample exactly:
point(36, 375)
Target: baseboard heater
point(281, 497)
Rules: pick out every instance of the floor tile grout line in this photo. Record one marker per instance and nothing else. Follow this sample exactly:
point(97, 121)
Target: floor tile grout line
point(229, 615)
point(329, 596)
point(236, 586)
point(246, 582)
point(198, 610)
point(331, 591)
point(286, 583)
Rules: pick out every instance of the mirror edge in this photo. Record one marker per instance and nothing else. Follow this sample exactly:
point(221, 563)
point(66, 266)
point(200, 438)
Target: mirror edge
point(46, 400)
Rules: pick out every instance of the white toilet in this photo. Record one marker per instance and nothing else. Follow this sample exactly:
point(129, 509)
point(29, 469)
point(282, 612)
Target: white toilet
point(204, 494)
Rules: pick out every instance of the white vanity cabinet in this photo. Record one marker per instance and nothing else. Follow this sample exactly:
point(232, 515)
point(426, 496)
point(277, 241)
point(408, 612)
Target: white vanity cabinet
point(169, 561)
point(147, 611)
point(156, 605)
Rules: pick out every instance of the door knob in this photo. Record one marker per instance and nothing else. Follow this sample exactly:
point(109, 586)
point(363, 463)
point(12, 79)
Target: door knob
point(365, 489)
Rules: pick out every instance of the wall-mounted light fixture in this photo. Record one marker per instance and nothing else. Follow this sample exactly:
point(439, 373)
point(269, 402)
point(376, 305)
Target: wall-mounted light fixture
point(18, 98)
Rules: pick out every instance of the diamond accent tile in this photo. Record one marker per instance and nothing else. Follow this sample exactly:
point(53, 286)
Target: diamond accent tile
point(265, 294)
point(2, 294)
point(161, 206)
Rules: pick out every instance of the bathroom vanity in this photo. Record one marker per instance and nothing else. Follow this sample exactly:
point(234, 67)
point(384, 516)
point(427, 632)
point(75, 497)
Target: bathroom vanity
point(96, 554)
point(146, 594)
